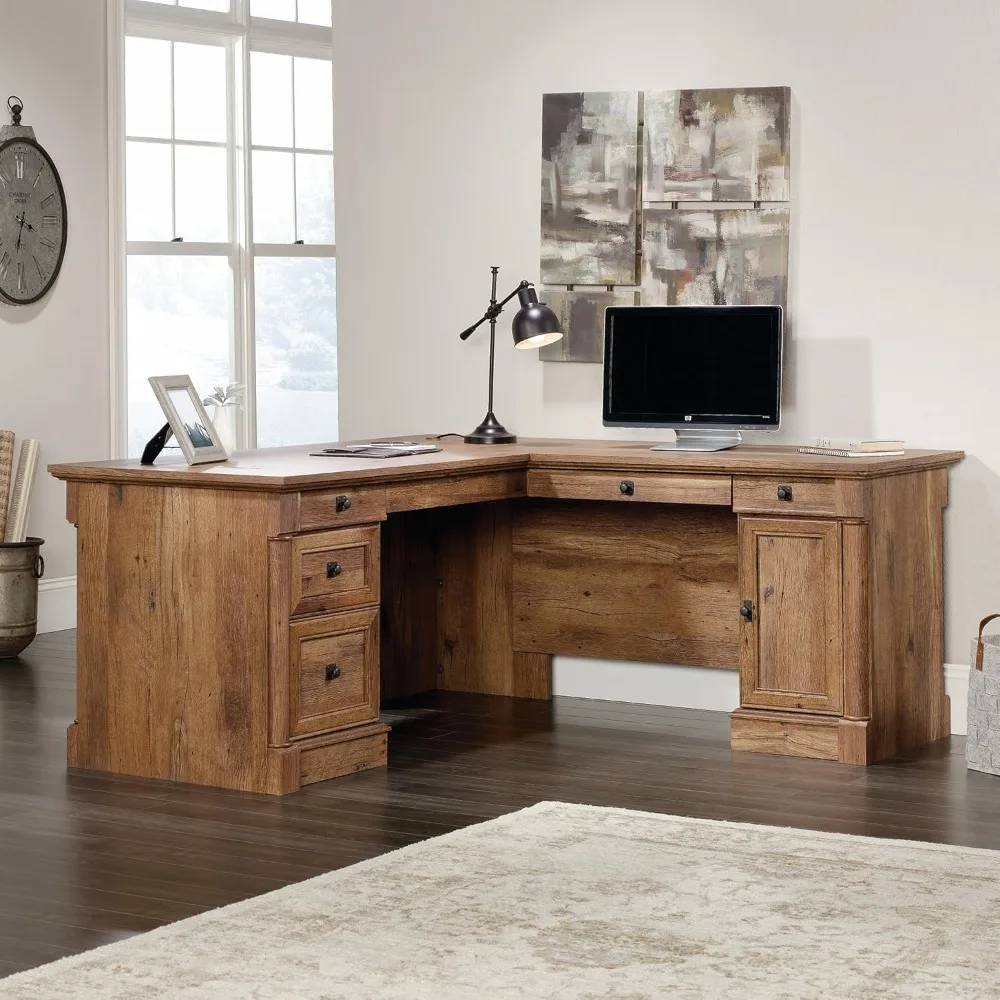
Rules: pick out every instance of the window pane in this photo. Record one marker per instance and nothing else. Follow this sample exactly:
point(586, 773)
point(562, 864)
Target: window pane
point(202, 194)
point(315, 12)
point(270, 99)
point(314, 188)
point(148, 214)
point(282, 10)
point(199, 92)
point(179, 320)
point(313, 104)
point(273, 198)
point(147, 88)
point(296, 317)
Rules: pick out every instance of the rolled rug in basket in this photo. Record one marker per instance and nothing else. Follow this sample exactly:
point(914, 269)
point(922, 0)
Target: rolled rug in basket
point(982, 744)
point(20, 498)
point(6, 469)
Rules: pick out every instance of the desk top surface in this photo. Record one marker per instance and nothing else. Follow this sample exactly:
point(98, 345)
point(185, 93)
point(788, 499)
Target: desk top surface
point(294, 468)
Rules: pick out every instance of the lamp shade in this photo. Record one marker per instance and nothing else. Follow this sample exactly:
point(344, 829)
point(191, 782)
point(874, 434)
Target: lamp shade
point(535, 324)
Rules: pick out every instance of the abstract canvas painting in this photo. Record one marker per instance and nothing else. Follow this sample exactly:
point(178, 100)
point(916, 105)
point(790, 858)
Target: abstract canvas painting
point(581, 318)
point(717, 145)
point(721, 257)
point(590, 148)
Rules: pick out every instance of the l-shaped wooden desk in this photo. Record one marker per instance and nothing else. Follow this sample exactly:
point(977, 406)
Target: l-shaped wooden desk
point(240, 624)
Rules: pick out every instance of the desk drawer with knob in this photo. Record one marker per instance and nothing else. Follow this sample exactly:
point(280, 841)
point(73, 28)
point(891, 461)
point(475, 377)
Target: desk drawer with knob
point(334, 672)
point(827, 497)
point(626, 487)
point(335, 508)
point(331, 570)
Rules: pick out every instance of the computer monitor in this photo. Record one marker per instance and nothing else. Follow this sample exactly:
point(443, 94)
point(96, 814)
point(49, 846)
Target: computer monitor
point(707, 372)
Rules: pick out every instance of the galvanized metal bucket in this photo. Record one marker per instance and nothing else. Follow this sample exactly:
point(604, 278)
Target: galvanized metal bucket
point(21, 567)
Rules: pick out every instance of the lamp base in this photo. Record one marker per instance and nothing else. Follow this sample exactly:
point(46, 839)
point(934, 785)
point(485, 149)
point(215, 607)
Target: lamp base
point(490, 431)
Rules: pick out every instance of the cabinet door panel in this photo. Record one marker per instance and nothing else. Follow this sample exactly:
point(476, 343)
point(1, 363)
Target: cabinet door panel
point(791, 654)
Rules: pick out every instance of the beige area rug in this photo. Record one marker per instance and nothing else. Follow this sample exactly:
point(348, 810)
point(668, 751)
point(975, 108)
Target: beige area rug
point(576, 901)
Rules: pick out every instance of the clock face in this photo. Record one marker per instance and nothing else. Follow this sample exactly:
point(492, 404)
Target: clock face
point(32, 221)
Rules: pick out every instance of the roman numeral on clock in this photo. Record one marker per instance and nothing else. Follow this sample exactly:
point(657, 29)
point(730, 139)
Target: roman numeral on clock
point(20, 276)
point(48, 244)
point(19, 165)
point(34, 183)
point(4, 177)
point(45, 201)
point(4, 265)
point(41, 273)
point(50, 221)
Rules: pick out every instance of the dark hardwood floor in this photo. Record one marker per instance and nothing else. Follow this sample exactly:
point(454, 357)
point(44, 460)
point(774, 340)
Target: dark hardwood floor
point(87, 859)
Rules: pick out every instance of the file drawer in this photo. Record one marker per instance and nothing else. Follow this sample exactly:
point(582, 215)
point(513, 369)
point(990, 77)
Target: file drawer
point(332, 570)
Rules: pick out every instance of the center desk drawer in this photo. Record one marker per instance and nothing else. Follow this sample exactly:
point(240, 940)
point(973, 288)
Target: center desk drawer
point(651, 488)
point(334, 569)
point(772, 495)
point(334, 671)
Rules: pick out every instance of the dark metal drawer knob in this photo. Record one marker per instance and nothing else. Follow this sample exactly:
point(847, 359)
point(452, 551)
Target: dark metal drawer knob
point(343, 503)
point(333, 569)
point(746, 611)
point(784, 493)
point(627, 487)
point(332, 672)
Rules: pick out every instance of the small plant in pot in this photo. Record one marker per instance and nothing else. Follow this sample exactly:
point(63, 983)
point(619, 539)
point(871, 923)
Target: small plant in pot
point(226, 399)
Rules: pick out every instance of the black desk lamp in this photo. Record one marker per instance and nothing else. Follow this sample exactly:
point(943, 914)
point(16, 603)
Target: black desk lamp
point(535, 325)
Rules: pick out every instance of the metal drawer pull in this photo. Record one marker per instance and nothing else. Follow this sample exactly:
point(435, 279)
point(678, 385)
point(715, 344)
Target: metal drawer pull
point(332, 672)
point(784, 493)
point(746, 611)
point(627, 487)
point(333, 569)
point(343, 503)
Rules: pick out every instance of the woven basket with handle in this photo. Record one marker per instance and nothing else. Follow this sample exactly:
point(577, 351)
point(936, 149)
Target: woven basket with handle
point(982, 745)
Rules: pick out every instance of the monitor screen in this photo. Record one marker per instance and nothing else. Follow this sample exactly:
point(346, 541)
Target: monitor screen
point(685, 366)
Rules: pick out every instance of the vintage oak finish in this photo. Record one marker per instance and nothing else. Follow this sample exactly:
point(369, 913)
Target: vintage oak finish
point(239, 623)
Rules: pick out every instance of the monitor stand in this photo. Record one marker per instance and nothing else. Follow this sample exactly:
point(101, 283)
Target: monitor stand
point(702, 440)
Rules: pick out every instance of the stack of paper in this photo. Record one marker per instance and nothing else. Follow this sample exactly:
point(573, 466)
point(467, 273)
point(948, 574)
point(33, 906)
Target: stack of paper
point(14, 516)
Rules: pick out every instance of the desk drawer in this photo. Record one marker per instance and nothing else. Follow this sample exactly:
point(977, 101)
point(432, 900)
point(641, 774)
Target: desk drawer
point(649, 488)
point(334, 671)
point(332, 570)
point(829, 497)
point(334, 508)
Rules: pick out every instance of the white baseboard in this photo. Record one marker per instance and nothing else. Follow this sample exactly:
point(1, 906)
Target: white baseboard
point(57, 604)
point(693, 687)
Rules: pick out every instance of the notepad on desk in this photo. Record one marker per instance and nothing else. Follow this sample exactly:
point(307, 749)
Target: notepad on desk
point(854, 448)
point(377, 449)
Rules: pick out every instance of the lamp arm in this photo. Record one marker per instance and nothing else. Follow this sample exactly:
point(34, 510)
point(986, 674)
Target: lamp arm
point(493, 311)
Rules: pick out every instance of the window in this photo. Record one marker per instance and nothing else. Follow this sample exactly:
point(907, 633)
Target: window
point(226, 138)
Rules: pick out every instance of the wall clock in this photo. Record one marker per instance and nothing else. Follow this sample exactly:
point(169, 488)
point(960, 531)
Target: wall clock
point(32, 214)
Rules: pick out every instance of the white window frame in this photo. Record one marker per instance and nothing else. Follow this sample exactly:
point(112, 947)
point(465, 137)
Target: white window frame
point(239, 34)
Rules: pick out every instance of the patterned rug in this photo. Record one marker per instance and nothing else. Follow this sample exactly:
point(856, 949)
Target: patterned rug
point(576, 901)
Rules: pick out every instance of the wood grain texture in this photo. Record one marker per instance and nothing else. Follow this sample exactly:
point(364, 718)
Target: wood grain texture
point(909, 706)
point(409, 660)
point(792, 649)
point(452, 490)
point(857, 621)
point(172, 642)
point(784, 733)
point(811, 497)
point(621, 581)
point(349, 642)
point(337, 508)
point(475, 607)
point(294, 468)
point(570, 485)
point(856, 741)
point(354, 750)
point(354, 553)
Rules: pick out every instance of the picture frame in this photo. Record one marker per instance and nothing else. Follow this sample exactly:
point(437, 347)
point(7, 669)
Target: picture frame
point(191, 425)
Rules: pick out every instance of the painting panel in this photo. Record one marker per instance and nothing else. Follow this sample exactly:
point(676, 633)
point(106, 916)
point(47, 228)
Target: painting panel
point(721, 257)
point(581, 319)
point(589, 169)
point(717, 145)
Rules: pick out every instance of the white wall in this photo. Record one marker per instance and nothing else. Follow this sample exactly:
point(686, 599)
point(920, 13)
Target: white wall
point(893, 312)
point(54, 354)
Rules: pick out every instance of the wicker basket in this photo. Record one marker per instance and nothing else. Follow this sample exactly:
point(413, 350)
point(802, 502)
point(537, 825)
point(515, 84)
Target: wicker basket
point(982, 745)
